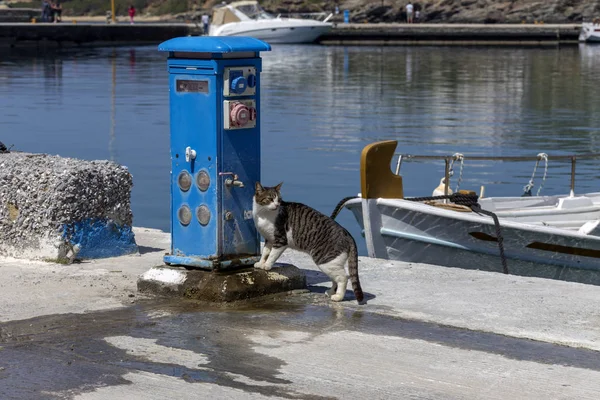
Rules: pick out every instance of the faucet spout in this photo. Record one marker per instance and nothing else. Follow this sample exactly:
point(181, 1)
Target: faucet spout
point(234, 182)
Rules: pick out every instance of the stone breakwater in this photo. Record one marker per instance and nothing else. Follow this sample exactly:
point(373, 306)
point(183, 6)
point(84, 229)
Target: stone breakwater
point(62, 208)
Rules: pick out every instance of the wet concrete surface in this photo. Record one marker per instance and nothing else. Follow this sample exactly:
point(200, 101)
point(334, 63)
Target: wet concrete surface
point(84, 332)
point(65, 356)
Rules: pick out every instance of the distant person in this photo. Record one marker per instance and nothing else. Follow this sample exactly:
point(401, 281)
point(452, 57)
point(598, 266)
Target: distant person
point(56, 12)
point(131, 12)
point(205, 20)
point(51, 13)
point(417, 16)
point(409, 13)
point(45, 11)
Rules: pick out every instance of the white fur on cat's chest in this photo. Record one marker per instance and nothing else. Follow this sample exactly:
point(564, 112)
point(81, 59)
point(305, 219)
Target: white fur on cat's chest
point(264, 220)
point(265, 226)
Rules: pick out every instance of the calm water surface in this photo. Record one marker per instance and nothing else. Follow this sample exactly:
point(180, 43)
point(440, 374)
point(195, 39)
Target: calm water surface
point(321, 106)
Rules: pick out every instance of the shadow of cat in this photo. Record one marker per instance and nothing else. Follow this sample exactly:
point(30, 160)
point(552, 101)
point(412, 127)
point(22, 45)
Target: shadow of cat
point(314, 278)
point(148, 249)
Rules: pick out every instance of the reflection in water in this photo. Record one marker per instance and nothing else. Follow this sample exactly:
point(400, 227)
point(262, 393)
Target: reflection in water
point(53, 73)
point(113, 109)
point(132, 61)
point(320, 106)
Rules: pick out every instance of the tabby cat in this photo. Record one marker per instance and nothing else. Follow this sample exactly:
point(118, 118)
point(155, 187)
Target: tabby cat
point(300, 227)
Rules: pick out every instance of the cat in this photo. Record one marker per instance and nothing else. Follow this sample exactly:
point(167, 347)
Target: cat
point(303, 228)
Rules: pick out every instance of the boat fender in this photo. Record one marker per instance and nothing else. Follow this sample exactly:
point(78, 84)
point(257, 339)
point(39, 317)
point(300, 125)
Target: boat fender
point(439, 191)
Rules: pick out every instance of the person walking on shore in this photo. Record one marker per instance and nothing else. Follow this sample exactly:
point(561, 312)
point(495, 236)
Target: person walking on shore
point(205, 20)
point(409, 13)
point(131, 14)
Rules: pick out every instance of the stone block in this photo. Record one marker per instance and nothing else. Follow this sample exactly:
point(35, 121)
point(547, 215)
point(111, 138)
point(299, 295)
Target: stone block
point(220, 287)
point(62, 208)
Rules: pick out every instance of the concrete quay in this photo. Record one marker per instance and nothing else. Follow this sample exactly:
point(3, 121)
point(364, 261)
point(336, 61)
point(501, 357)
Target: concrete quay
point(83, 331)
point(451, 34)
point(98, 34)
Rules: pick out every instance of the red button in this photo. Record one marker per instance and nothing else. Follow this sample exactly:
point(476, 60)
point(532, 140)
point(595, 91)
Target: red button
point(239, 114)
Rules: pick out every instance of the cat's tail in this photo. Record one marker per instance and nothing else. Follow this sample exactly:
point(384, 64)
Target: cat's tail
point(353, 272)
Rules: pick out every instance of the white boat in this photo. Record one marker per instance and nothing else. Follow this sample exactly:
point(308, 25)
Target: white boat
point(247, 18)
point(590, 32)
point(546, 236)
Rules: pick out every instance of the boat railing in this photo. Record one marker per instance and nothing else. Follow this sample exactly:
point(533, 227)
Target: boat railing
point(449, 159)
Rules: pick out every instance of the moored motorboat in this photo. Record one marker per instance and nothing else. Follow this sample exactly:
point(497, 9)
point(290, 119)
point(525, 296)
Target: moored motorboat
point(247, 18)
point(547, 236)
point(590, 32)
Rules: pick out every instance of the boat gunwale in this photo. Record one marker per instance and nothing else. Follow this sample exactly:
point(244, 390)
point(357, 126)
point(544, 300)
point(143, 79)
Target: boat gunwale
point(473, 217)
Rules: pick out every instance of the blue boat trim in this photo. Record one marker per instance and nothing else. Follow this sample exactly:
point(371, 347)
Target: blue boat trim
point(100, 238)
point(210, 264)
point(519, 257)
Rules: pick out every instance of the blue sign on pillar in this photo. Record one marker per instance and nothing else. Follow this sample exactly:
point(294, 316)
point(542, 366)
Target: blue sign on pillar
point(214, 85)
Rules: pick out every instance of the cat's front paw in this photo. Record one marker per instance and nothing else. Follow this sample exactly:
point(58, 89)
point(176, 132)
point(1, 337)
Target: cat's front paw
point(267, 267)
point(261, 265)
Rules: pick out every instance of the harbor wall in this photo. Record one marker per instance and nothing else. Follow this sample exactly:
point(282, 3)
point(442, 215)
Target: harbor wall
point(90, 34)
point(486, 34)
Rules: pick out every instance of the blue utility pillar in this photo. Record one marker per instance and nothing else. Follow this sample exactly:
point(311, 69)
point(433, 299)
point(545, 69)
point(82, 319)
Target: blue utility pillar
point(214, 85)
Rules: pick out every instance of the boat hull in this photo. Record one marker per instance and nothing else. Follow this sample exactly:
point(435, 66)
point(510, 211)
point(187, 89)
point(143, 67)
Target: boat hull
point(590, 33)
point(414, 232)
point(275, 33)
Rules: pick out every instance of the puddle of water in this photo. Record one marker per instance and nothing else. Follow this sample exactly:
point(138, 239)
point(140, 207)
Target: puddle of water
point(202, 343)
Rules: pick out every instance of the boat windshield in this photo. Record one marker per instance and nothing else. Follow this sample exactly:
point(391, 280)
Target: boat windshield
point(254, 11)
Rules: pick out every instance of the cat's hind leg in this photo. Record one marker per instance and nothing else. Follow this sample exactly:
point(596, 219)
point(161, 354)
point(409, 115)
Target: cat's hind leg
point(331, 291)
point(337, 273)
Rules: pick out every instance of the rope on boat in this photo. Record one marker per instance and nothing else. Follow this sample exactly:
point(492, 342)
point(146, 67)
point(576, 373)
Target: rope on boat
point(527, 188)
point(544, 157)
point(469, 200)
point(461, 158)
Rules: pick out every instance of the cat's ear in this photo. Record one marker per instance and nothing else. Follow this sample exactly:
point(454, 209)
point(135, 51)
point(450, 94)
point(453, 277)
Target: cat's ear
point(278, 187)
point(258, 187)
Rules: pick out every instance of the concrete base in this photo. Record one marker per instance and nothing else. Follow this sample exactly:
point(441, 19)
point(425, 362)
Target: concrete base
point(220, 286)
